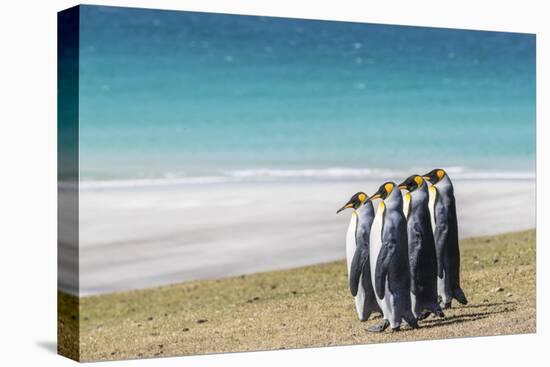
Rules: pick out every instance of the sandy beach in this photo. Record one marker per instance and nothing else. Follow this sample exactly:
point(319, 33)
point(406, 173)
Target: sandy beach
point(296, 308)
point(139, 237)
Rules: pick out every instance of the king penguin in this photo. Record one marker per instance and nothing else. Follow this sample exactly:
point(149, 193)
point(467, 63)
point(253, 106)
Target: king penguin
point(389, 263)
point(445, 226)
point(422, 258)
point(357, 255)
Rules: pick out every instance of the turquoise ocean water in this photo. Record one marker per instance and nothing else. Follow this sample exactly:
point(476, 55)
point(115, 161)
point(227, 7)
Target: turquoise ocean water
point(195, 96)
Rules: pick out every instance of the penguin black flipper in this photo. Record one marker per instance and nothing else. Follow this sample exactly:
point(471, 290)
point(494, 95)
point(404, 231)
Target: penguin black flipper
point(415, 244)
point(382, 267)
point(454, 253)
point(440, 235)
point(438, 228)
point(359, 259)
point(366, 279)
point(371, 305)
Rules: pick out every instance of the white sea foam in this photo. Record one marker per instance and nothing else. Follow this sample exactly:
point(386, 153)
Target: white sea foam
point(457, 172)
point(147, 182)
point(312, 172)
point(317, 174)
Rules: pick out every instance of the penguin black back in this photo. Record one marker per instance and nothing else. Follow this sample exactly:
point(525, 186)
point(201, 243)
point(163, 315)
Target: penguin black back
point(445, 228)
point(389, 259)
point(421, 246)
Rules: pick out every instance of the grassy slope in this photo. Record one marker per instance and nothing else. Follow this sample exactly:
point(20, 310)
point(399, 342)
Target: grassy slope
point(304, 307)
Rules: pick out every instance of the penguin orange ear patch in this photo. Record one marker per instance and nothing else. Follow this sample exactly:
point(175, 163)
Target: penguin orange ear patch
point(418, 181)
point(440, 173)
point(362, 197)
point(388, 187)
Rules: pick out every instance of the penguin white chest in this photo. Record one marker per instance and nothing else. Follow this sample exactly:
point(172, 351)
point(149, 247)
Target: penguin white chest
point(407, 204)
point(376, 238)
point(351, 243)
point(431, 204)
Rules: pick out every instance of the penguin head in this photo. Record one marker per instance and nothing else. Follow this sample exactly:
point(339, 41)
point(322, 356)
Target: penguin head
point(384, 191)
point(435, 175)
point(355, 202)
point(412, 183)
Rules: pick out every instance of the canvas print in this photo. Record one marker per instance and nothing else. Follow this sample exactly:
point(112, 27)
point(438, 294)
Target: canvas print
point(233, 183)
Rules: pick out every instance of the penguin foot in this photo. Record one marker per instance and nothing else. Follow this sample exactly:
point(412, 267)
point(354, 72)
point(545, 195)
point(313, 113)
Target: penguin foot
point(439, 313)
point(413, 323)
point(423, 315)
point(447, 305)
point(395, 329)
point(379, 328)
point(436, 310)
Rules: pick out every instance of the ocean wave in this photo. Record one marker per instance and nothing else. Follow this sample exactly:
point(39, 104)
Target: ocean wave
point(148, 182)
point(457, 172)
point(325, 172)
point(316, 174)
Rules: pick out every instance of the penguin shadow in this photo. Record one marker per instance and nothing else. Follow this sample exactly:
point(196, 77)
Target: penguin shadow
point(485, 305)
point(466, 317)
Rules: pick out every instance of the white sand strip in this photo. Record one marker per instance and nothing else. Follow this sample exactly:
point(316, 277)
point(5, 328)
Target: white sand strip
point(136, 238)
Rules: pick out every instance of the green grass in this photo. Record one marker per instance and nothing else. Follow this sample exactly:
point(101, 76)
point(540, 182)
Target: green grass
point(304, 307)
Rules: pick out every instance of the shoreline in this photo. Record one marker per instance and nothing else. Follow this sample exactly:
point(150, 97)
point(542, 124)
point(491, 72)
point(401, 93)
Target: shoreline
point(281, 177)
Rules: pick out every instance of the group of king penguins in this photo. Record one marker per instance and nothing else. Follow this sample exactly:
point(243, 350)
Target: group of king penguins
point(403, 260)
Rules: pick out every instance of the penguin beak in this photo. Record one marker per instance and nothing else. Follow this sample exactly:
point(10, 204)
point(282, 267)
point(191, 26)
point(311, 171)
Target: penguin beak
point(403, 187)
point(375, 196)
point(427, 178)
point(349, 204)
